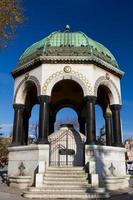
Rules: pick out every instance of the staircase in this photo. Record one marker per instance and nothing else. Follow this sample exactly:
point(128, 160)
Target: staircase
point(65, 183)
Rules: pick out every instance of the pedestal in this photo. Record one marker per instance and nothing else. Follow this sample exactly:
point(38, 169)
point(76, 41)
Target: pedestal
point(21, 182)
point(35, 159)
point(109, 164)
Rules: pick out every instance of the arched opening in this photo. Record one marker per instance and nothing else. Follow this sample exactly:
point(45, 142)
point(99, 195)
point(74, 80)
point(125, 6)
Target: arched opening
point(66, 116)
point(33, 124)
point(66, 94)
point(100, 126)
point(66, 107)
point(30, 119)
point(104, 116)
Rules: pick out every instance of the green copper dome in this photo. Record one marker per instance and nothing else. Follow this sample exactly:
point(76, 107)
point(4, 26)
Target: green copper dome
point(68, 44)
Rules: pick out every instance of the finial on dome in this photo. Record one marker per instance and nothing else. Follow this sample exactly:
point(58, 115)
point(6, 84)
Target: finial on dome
point(67, 29)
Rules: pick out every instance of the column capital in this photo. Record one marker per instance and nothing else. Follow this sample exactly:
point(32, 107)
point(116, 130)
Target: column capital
point(44, 99)
point(107, 115)
point(18, 106)
point(90, 99)
point(115, 107)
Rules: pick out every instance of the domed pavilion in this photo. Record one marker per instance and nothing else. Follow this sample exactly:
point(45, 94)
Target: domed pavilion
point(68, 69)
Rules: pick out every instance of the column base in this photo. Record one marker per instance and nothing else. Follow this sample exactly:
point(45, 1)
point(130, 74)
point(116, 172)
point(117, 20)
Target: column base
point(13, 144)
point(42, 141)
point(90, 143)
point(118, 145)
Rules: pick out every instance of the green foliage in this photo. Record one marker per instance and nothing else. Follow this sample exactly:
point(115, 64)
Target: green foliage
point(10, 17)
point(4, 144)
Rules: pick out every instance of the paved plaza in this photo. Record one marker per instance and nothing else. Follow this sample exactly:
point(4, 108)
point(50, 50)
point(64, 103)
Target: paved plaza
point(8, 193)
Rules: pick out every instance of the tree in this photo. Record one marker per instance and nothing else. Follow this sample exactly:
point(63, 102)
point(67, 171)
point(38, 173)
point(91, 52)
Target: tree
point(11, 16)
point(33, 132)
point(4, 143)
point(101, 139)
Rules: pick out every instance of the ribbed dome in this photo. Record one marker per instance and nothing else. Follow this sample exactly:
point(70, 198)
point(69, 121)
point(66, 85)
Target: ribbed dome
point(68, 44)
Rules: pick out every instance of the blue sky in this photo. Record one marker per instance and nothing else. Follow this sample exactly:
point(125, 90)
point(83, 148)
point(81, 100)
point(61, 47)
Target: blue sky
point(108, 22)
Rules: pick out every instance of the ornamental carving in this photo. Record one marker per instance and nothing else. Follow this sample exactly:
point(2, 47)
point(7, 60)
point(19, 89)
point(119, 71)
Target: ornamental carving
point(67, 51)
point(67, 69)
point(78, 51)
point(72, 74)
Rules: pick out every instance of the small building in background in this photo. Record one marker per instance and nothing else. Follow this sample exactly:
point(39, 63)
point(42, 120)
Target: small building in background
point(129, 155)
point(129, 147)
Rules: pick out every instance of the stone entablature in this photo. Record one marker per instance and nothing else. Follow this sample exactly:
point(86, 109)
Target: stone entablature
point(46, 75)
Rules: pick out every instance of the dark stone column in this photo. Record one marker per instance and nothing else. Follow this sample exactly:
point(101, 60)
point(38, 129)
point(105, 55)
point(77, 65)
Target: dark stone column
point(90, 119)
point(17, 139)
point(51, 124)
point(108, 128)
point(27, 114)
point(43, 119)
point(82, 125)
point(116, 124)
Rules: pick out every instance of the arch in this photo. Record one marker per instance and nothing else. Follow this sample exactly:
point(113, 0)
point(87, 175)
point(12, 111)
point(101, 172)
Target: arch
point(73, 75)
point(113, 92)
point(20, 89)
point(66, 106)
point(72, 118)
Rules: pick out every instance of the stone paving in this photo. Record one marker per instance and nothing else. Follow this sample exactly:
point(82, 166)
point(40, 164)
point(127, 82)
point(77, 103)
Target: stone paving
point(8, 193)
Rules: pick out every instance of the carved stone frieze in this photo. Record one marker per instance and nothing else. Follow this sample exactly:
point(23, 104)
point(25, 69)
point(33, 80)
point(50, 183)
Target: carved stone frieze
point(72, 74)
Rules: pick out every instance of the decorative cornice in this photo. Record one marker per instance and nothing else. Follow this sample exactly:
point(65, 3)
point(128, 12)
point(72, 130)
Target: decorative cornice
point(66, 59)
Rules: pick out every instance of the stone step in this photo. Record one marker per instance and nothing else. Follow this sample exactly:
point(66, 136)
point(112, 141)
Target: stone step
point(53, 182)
point(54, 172)
point(35, 195)
point(78, 186)
point(65, 175)
point(67, 189)
point(64, 178)
point(65, 183)
point(65, 169)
